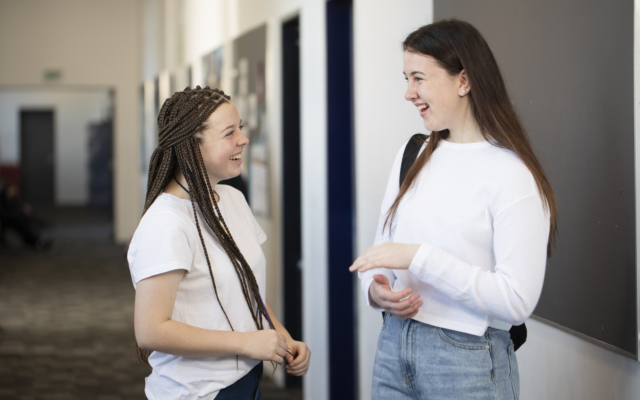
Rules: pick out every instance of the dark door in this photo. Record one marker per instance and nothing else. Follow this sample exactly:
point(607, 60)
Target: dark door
point(340, 186)
point(36, 162)
point(291, 184)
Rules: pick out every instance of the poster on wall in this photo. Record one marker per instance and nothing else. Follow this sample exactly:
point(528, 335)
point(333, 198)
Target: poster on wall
point(182, 77)
point(148, 139)
point(212, 68)
point(248, 94)
point(148, 132)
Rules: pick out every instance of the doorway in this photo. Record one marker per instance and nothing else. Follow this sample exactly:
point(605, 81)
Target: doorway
point(36, 144)
point(57, 155)
point(340, 196)
point(291, 184)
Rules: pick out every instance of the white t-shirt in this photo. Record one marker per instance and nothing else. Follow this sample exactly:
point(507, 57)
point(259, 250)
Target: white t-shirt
point(167, 239)
point(478, 215)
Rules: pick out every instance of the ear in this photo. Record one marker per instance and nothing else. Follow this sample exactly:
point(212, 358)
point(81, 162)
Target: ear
point(464, 86)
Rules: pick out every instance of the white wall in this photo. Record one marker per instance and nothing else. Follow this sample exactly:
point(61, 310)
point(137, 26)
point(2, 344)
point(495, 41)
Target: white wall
point(383, 121)
point(73, 112)
point(557, 365)
point(94, 43)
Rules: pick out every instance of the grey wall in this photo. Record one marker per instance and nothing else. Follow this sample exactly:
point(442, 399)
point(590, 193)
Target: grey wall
point(569, 69)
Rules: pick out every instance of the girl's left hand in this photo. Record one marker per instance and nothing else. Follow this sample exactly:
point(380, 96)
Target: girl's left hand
point(299, 365)
point(386, 255)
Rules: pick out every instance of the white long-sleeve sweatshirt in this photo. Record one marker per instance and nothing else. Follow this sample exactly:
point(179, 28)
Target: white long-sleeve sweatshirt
point(478, 215)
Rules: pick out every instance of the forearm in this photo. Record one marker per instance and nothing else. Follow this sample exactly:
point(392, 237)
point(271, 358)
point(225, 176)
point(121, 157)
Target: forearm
point(180, 339)
point(507, 294)
point(276, 323)
point(510, 289)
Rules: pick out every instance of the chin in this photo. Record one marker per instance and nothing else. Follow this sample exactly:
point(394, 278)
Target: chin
point(233, 175)
point(432, 127)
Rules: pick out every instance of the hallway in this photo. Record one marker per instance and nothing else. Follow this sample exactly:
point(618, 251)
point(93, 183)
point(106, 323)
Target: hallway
point(67, 317)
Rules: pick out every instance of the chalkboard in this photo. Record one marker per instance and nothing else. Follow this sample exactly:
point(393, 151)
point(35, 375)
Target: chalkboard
point(568, 66)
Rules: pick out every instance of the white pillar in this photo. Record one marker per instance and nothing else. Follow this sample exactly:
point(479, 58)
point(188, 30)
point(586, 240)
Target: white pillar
point(383, 121)
point(313, 83)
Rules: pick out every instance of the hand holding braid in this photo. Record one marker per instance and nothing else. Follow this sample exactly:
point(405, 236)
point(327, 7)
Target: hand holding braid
point(180, 118)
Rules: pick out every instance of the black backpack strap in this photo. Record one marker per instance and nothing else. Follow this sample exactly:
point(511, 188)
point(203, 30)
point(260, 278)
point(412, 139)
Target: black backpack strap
point(411, 154)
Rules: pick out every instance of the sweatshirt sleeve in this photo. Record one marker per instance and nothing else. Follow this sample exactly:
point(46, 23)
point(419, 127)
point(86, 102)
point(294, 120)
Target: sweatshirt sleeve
point(511, 291)
point(366, 278)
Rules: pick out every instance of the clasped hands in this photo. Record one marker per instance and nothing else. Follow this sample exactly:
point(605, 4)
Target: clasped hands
point(403, 304)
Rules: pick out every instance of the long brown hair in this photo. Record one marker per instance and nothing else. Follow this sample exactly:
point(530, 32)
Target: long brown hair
point(180, 118)
point(457, 45)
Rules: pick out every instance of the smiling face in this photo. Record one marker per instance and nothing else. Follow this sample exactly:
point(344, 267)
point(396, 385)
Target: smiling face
point(221, 143)
point(439, 97)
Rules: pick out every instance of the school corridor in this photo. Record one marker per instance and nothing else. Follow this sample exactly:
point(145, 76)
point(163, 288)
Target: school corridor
point(66, 316)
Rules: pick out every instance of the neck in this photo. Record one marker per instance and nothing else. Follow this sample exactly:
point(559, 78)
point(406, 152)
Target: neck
point(175, 189)
point(466, 131)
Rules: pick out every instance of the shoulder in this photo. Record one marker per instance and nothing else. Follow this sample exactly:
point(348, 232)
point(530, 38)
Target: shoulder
point(165, 239)
point(170, 206)
point(509, 176)
point(507, 165)
point(167, 213)
point(403, 148)
point(233, 196)
point(229, 191)
point(234, 199)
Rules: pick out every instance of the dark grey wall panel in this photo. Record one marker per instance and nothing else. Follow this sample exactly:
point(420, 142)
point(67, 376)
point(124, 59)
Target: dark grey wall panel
point(569, 69)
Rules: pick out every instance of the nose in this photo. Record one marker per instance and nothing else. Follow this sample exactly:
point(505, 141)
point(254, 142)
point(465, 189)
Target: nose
point(242, 140)
point(410, 94)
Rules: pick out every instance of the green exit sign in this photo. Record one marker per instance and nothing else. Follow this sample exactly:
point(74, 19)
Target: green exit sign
point(52, 74)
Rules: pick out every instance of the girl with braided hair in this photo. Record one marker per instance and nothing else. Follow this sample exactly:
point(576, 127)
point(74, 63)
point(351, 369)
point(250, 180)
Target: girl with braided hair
point(197, 265)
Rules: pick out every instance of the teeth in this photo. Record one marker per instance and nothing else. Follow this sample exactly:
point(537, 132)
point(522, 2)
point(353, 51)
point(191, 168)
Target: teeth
point(422, 107)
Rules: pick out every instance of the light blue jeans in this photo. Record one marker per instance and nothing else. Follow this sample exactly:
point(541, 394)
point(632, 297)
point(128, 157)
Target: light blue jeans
point(420, 361)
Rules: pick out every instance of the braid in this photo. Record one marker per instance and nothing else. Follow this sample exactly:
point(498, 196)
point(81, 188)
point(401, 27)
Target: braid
point(205, 195)
point(180, 118)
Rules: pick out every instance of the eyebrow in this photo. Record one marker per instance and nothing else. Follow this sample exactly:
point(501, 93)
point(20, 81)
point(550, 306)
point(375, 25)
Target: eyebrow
point(230, 126)
point(414, 73)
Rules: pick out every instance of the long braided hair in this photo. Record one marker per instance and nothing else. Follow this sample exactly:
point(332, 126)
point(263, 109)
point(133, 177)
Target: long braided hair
point(180, 118)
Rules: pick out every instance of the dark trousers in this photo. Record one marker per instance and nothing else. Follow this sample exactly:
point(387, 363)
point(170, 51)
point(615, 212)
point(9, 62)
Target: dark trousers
point(247, 388)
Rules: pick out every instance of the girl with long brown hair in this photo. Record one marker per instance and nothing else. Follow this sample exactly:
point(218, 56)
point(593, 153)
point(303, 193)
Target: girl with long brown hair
point(201, 320)
point(461, 247)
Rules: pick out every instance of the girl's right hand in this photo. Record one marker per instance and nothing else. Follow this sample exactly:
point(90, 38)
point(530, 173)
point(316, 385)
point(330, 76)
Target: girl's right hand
point(392, 302)
point(265, 345)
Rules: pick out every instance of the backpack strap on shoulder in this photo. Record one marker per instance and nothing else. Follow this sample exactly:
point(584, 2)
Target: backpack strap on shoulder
point(411, 154)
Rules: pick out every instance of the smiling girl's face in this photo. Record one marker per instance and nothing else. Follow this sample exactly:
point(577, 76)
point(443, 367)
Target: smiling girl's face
point(221, 143)
point(439, 97)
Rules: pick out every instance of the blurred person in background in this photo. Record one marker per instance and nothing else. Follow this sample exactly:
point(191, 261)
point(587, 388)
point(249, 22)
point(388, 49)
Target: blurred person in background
point(461, 245)
point(18, 216)
point(197, 264)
